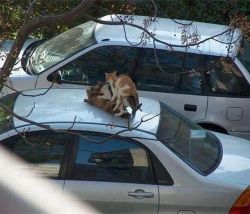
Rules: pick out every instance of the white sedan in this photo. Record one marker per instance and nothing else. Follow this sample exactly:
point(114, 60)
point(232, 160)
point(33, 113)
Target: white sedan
point(163, 163)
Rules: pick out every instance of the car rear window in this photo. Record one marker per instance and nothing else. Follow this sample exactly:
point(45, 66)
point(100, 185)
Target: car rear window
point(6, 119)
point(195, 146)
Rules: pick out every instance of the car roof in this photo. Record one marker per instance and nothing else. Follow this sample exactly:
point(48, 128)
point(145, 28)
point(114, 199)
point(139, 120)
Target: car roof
point(170, 31)
point(68, 105)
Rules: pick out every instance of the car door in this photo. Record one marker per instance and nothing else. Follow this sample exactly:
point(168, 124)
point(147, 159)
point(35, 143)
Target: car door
point(175, 78)
point(114, 176)
point(45, 152)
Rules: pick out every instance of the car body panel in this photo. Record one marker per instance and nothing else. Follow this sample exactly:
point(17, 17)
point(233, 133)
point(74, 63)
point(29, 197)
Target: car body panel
point(211, 196)
point(230, 113)
point(189, 186)
point(170, 32)
point(18, 83)
point(110, 197)
point(235, 163)
point(179, 101)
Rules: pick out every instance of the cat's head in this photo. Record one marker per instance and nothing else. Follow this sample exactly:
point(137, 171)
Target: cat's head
point(111, 77)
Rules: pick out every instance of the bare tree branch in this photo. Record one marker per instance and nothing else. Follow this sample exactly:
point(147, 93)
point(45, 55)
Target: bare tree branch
point(29, 11)
point(29, 95)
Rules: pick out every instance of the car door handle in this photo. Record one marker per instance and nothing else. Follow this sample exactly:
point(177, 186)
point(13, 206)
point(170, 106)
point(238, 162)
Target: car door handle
point(140, 194)
point(188, 107)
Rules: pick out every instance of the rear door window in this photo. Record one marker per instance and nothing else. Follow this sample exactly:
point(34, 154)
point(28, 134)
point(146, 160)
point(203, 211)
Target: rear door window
point(173, 72)
point(114, 160)
point(44, 152)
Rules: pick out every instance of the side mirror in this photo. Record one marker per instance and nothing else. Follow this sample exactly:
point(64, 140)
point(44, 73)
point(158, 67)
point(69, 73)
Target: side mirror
point(55, 77)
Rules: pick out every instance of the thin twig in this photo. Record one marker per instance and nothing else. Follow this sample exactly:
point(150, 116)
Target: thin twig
point(29, 95)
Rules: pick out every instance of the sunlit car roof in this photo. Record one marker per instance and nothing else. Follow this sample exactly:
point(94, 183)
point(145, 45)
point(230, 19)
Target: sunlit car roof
point(60, 105)
point(169, 31)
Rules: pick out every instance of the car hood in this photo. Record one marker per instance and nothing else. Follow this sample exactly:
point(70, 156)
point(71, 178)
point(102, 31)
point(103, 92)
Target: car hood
point(235, 164)
point(4, 50)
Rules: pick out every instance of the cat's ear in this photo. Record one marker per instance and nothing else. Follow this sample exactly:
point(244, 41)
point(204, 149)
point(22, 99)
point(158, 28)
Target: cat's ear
point(115, 72)
point(106, 74)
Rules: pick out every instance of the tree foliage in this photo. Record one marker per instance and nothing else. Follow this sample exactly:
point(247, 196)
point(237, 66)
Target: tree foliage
point(12, 12)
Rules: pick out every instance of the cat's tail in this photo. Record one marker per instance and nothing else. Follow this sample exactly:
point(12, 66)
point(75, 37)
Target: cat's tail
point(137, 103)
point(132, 104)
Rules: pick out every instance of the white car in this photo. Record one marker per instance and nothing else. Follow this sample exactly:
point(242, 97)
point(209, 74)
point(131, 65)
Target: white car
point(163, 163)
point(208, 83)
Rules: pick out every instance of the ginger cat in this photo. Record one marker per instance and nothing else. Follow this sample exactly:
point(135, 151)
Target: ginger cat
point(123, 89)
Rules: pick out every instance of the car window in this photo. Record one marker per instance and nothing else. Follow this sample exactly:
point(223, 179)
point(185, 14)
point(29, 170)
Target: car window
point(42, 151)
point(195, 146)
point(115, 160)
point(226, 79)
point(244, 55)
point(91, 67)
point(162, 175)
point(176, 72)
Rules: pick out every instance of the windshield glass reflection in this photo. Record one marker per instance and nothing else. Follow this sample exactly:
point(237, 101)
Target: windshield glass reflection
point(62, 46)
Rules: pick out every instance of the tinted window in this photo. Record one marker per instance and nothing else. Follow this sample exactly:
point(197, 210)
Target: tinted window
point(177, 72)
point(162, 175)
point(194, 145)
point(226, 79)
point(91, 67)
point(44, 152)
point(115, 160)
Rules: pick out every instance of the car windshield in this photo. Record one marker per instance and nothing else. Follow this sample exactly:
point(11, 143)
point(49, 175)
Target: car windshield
point(6, 119)
point(62, 46)
point(244, 55)
point(195, 146)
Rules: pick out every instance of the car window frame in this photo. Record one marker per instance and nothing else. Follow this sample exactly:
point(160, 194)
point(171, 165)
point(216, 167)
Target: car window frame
point(139, 144)
point(65, 157)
